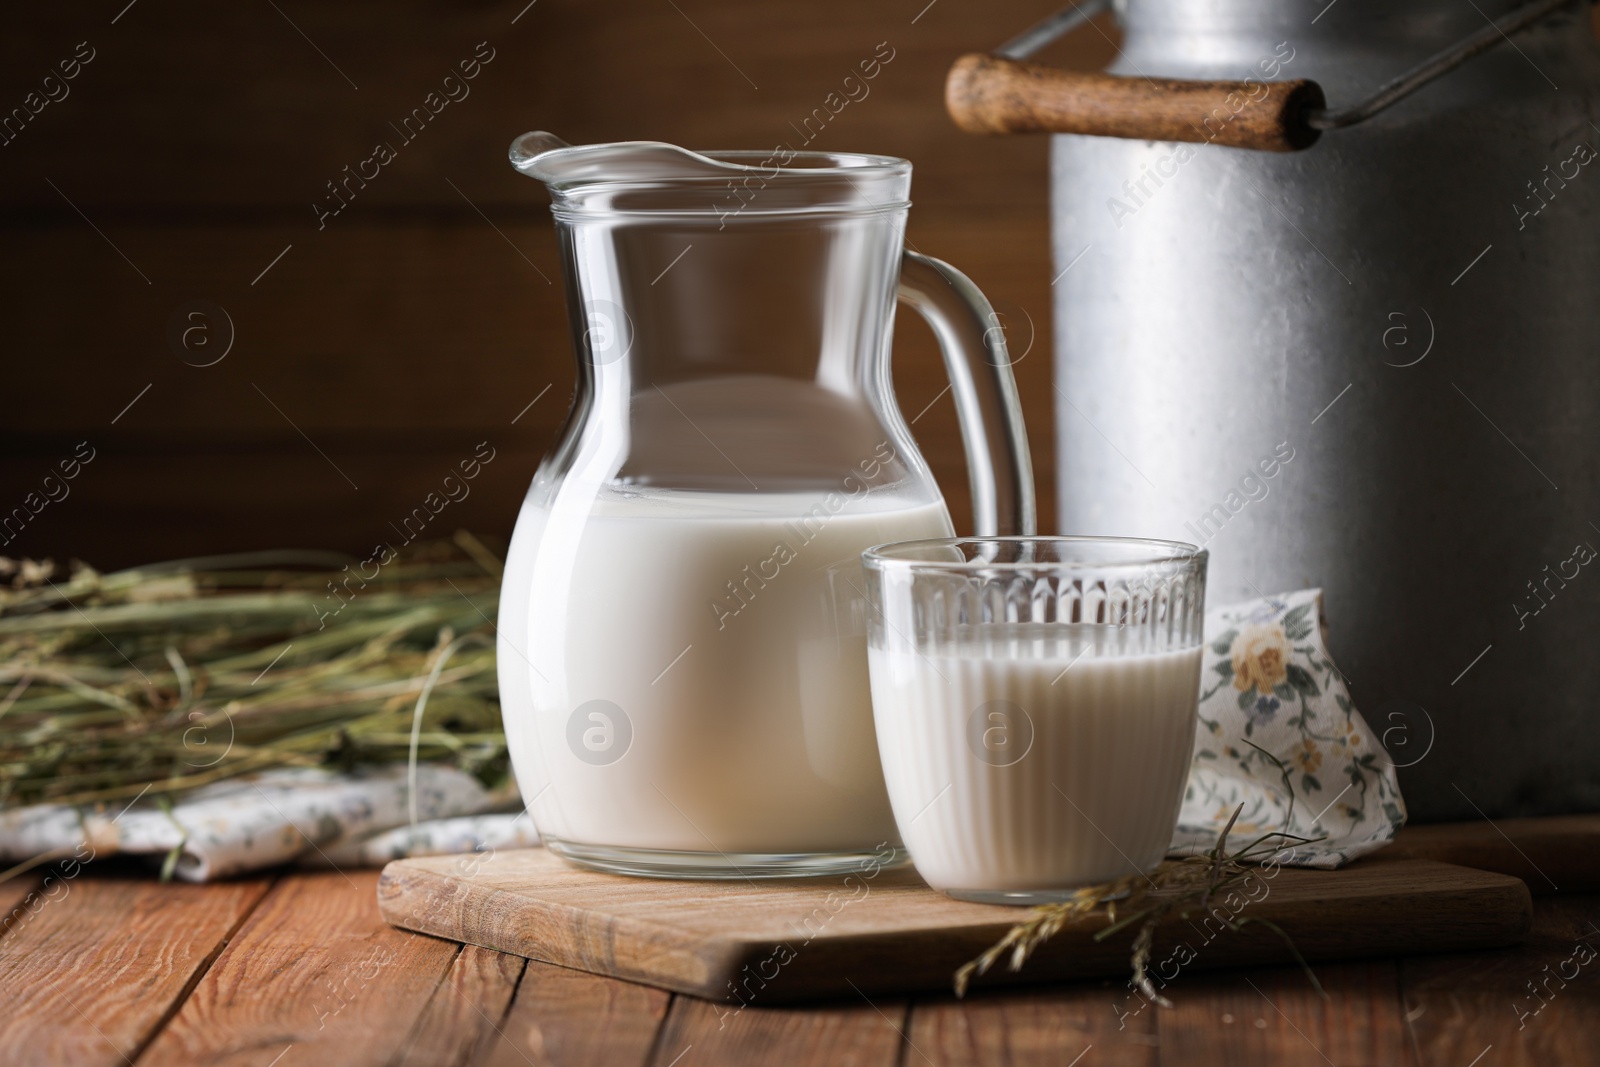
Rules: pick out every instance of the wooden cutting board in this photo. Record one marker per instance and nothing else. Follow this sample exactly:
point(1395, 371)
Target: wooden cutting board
point(785, 940)
point(1553, 854)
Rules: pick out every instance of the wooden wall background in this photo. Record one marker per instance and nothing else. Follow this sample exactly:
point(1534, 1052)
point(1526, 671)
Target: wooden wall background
point(379, 350)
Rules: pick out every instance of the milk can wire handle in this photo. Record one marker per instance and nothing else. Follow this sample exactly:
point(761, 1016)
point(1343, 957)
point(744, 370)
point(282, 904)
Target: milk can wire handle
point(999, 466)
point(999, 94)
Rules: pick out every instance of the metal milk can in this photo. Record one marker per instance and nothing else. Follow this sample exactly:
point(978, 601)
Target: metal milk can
point(1330, 306)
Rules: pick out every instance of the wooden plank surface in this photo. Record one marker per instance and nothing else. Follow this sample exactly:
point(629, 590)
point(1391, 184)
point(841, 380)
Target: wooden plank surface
point(94, 971)
point(208, 108)
point(1530, 1006)
point(1556, 854)
point(408, 320)
point(786, 940)
point(463, 1018)
point(468, 330)
point(1037, 1029)
point(441, 1004)
point(314, 970)
point(854, 1032)
point(19, 899)
point(414, 364)
point(1276, 1018)
point(564, 1017)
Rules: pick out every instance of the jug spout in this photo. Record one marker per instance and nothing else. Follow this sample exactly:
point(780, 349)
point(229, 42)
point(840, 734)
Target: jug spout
point(530, 146)
point(656, 176)
point(638, 175)
point(562, 166)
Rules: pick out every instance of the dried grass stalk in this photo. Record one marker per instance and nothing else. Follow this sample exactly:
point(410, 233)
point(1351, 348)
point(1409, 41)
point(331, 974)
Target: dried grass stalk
point(165, 678)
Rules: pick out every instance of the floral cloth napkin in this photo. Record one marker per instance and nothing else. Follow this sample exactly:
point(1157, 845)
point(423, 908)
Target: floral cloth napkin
point(1267, 679)
point(440, 837)
point(278, 816)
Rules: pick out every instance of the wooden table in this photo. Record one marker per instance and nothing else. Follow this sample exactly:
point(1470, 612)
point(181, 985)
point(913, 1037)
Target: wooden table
point(298, 969)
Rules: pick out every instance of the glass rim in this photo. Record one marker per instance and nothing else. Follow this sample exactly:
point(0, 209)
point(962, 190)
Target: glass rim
point(744, 161)
point(567, 212)
point(892, 554)
point(840, 162)
point(718, 166)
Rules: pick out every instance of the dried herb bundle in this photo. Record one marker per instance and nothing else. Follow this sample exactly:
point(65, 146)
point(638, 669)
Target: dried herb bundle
point(160, 679)
point(1177, 889)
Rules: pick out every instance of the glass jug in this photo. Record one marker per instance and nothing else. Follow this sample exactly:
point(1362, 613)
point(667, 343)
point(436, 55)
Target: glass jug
point(682, 650)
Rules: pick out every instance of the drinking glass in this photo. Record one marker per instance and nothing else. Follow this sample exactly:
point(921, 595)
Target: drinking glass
point(1035, 702)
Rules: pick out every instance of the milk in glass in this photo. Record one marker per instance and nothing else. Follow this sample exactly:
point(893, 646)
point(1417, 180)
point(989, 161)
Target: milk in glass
point(1029, 756)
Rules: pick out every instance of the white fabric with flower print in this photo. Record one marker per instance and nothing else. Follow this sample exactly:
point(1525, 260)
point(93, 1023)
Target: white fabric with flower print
point(1267, 679)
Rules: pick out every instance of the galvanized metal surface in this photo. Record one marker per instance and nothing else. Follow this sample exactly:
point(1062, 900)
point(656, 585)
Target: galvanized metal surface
point(1414, 323)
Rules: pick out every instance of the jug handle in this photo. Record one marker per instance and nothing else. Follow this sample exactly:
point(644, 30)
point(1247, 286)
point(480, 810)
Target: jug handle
point(973, 343)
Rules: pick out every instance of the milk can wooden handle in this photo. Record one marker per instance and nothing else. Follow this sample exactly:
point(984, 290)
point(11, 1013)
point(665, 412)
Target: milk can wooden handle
point(988, 94)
